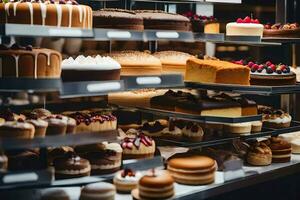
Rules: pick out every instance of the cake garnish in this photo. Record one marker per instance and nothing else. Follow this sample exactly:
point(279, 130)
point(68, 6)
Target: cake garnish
point(247, 20)
point(127, 172)
point(128, 142)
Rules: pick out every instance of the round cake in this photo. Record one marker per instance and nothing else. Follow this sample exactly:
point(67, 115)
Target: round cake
point(273, 118)
point(281, 150)
point(245, 27)
point(55, 194)
point(282, 30)
point(54, 153)
point(117, 19)
point(57, 124)
point(24, 160)
point(17, 129)
point(160, 20)
point(27, 62)
point(63, 13)
point(39, 124)
point(238, 128)
point(192, 169)
point(193, 132)
point(259, 154)
point(136, 63)
point(126, 180)
point(98, 191)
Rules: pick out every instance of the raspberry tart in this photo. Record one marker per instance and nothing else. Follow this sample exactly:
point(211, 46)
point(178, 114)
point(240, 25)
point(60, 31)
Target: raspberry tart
point(245, 27)
point(282, 30)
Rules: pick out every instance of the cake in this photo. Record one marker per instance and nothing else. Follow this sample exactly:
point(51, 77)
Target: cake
point(289, 30)
point(216, 71)
point(104, 158)
point(97, 191)
point(47, 13)
point(273, 118)
point(136, 63)
point(71, 166)
point(173, 61)
point(17, 129)
point(174, 131)
point(157, 184)
point(256, 126)
point(39, 124)
point(245, 27)
point(259, 154)
point(55, 194)
point(192, 169)
point(155, 128)
point(160, 20)
point(57, 124)
point(193, 132)
point(238, 128)
point(209, 106)
point(269, 73)
point(117, 19)
point(138, 147)
point(42, 112)
point(90, 69)
point(281, 150)
point(126, 180)
point(28, 62)
point(28, 160)
point(53, 153)
point(203, 24)
point(93, 121)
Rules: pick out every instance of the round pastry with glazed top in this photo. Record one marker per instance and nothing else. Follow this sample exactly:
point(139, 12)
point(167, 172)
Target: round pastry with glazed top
point(126, 180)
point(157, 184)
point(281, 150)
point(138, 147)
point(259, 154)
point(192, 169)
point(273, 118)
point(17, 129)
point(98, 191)
point(71, 166)
point(54, 153)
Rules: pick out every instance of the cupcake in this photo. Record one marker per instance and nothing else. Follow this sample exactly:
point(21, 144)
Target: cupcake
point(138, 147)
point(126, 180)
point(17, 129)
point(259, 154)
point(57, 124)
point(41, 112)
point(39, 124)
point(97, 191)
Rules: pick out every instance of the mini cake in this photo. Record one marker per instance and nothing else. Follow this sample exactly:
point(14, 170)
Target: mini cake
point(216, 71)
point(209, 107)
point(90, 69)
point(273, 118)
point(160, 20)
point(259, 154)
point(71, 166)
point(173, 61)
point(117, 19)
point(55, 194)
point(47, 13)
point(281, 150)
point(39, 124)
point(238, 128)
point(192, 169)
point(97, 191)
point(193, 132)
point(128, 118)
point(104, 158)
point(126, 180)
point(93, 121)
point(138, 147)
point(3, 162)
point(17, 129)
point(154, 129)
point(57, 124)
point(256, 126)
point(203, 24)
point(54, 153)
point(134, 63)
point(28, 62)
point(24, 160)
point(282, 30)
point(245, 27)
point(174, 131)
point(157, 184)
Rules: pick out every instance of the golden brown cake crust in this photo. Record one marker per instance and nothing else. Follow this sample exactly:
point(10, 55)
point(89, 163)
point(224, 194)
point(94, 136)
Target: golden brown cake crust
point(193, 162)
point(157, 181)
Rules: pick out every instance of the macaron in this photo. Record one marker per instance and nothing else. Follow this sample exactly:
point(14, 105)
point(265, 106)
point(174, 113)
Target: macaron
point(98, 191)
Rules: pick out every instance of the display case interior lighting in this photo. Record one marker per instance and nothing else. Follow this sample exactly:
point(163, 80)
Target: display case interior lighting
point(102, 87)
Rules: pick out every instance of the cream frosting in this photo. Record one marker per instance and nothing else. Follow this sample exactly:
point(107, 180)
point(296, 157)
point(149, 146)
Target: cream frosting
point(279, 120)
point(90, 63)
point(128, 179)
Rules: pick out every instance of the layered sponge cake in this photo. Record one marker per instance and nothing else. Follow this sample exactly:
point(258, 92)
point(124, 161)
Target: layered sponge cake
point(216, 71)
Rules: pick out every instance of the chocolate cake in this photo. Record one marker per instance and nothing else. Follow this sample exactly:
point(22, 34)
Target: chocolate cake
point(160, 20)
point(117, 19)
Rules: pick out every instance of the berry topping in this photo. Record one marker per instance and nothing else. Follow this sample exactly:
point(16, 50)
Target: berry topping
point(127, 172)
point(250, 64)
point(268, 63)
point(278, 71)
point(273, 67)
point(269, 70)
point(240, 20)
point(247, 19)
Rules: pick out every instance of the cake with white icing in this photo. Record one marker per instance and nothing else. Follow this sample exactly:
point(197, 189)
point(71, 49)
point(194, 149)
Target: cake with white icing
point(63, 13)
point(245, 27)
point(89, 68)
point(28, 62)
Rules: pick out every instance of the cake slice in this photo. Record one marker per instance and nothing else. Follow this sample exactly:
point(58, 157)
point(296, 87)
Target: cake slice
point(216, 71)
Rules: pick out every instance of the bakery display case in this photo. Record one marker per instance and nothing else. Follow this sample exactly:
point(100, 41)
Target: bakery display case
point(132, 122)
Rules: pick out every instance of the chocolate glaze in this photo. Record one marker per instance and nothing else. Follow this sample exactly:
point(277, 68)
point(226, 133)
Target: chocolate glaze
point(170, 98)
point(244, 102)
point(152, 128)
point(70, 161)
point(24, 160)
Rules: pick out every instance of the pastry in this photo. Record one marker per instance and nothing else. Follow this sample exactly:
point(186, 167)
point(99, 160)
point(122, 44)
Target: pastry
point(90, 69)
point(138, 147)
point(47, 13)
point(57, 124)
point(238, 128)
point(71, 166)
point(41, 112)
point(173, 61)
point(93, 121)
point(216, 71)
point(154, 129)
point(55, 194)
point(126, 180)
point(160, 20)
point(295, 146)
point(136, 63)
point(54, 153)
point(128, 118)
point(203, 24)
point(209, 106)
point(282, 30)
point(104, 158)
point(117, 19)
point(17, 129)
point(24, 160)
point(259, 154)
point(157, 184)
point(269, 73)
point(192, 169)
point(193, 132)
point(8, 115)
point(98, 191)
point(3, 162)
point(245, 27)
point(256, 126)
point(174, 131)
point(28, 62)
point(273, 118)
point(281, 150)
point(40, 125)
